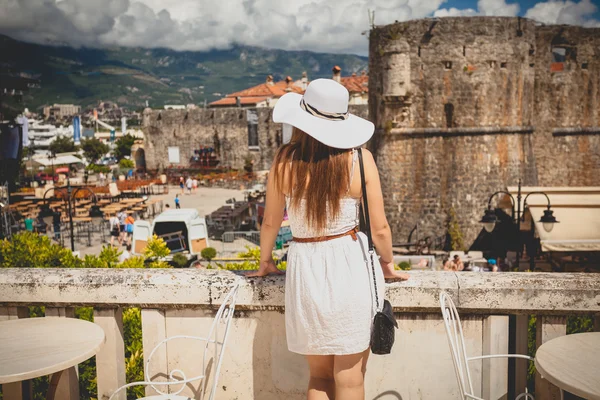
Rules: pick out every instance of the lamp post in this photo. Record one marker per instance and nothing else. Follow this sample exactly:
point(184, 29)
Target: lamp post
point(489, 219)
point(95, 212)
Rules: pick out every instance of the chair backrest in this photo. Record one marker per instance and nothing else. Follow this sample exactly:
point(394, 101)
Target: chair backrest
point(475, 254)
point(216, 340)
point(218, 335)
point(456, 340)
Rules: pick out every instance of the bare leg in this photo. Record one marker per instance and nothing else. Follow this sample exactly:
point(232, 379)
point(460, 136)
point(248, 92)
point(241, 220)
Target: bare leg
point(349, 374)
point(321, 385)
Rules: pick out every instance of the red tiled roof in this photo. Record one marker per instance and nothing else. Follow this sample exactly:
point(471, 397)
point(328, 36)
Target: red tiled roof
point(258, 93)
point(264, 89)
point(231, 101)
point(356, 83)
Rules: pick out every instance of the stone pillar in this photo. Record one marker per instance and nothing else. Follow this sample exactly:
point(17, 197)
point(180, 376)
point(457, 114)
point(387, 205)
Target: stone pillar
point(66, 382)
point(153, 332)
point(110, 360)
point(548, 328)
point(494, 375)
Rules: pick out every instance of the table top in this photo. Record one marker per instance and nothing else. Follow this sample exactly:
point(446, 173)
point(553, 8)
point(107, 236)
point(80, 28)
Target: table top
point(572, 363)
point(33, 347)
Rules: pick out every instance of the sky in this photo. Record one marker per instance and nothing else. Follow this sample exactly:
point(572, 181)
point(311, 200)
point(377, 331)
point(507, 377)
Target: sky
point(332, 26)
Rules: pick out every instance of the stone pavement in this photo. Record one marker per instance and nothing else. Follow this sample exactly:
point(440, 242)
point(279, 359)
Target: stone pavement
point(205, 200)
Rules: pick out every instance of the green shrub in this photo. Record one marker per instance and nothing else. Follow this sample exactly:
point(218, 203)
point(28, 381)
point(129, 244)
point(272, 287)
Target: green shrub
point(180, 260)
point(132, 262)
point(108, 258)
point(208, 253)
point(126, 164)
point(98, 168)
point(156, 248)
point(404, 265)
point(31, 250)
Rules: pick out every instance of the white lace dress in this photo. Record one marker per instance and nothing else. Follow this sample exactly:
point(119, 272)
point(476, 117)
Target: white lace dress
point(329, 293)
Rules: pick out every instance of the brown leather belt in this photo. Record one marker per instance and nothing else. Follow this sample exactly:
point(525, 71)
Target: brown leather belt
point(351, 232)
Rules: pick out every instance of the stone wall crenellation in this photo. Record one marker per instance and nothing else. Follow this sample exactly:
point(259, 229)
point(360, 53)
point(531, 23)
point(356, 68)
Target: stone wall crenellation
point(466, 106)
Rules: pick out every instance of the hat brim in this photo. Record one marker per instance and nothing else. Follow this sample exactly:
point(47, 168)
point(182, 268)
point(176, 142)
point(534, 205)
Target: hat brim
point(346, 134)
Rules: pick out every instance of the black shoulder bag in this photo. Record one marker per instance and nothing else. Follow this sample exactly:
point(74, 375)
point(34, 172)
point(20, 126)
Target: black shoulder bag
point(382, 332)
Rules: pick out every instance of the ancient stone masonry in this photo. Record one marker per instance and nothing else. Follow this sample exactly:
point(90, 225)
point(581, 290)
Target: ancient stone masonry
point(226, 130)
point(466, 106)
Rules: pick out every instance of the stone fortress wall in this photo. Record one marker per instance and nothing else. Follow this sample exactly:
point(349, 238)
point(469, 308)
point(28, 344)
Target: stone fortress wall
point(224, 129)
point(462, 107)
point(466, 106)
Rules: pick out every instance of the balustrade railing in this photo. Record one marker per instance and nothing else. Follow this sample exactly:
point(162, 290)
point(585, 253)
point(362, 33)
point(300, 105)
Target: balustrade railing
point(257, 364)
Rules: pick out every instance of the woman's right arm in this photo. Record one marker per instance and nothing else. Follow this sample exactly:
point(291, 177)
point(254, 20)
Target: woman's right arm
point(380, 229)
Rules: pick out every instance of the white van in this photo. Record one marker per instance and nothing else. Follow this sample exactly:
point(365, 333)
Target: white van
point(183, 230)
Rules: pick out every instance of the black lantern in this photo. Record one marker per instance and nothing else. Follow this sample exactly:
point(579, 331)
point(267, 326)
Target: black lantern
point(489, 220)
point(548, 220)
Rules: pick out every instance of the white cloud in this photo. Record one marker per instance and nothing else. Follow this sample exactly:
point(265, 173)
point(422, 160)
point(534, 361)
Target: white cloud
point(564, 12)
point(454, 12)
point(318, 25)
point(496, 8)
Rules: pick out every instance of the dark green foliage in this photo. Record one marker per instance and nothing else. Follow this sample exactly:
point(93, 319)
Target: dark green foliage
point(123, 148)
point(62, 144)
point(93, 149)
point(180, 260)
point(404, 265)
point(208, 253)
point(30, 250)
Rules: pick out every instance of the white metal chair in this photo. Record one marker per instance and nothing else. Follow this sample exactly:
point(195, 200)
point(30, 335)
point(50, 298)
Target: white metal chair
point(456, 340)
point(217, 337)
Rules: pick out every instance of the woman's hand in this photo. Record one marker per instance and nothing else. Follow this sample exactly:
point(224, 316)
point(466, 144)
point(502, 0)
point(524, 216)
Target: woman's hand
point(266, 267)
point(389, 271)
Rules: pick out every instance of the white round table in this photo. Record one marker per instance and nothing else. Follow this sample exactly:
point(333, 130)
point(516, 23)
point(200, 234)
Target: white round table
point(33, 347)
point(572, 363)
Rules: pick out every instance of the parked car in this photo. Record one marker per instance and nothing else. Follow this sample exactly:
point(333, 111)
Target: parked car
point(42, 177)
point(108, 161)
point(183, 230)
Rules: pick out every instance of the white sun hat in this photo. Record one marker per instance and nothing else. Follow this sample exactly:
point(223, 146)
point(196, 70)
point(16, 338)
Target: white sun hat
point(323, 114)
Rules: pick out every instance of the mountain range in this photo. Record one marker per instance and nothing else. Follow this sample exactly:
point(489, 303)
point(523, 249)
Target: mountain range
point(132, 76)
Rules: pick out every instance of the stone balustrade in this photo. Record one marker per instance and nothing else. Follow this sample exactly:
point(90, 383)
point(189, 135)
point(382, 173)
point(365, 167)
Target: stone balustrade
point(257, 364)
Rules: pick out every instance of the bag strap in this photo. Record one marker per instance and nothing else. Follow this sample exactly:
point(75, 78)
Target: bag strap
point(367, 227)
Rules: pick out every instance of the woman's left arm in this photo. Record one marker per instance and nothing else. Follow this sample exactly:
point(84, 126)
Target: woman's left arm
point(274, 208)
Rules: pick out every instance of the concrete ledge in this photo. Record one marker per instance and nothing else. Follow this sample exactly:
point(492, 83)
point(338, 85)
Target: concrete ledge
point(478, 293)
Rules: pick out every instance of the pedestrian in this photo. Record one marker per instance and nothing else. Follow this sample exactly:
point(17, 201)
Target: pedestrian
point(122, 215)
point(115, 229)
point(455, 264)
point(56, 223)
point(29, 223)
point(177, 205)
point(101, 178)
point(188, 184)
point(181, 184)
point(126, 254)
point(330, 295)
point(129, 221)
point(195, 185)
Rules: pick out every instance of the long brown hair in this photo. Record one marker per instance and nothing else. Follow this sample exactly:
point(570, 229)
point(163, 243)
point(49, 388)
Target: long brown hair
point(317, 173)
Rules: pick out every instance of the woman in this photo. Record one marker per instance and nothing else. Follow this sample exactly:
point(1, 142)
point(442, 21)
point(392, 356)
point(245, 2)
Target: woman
point(329, 299)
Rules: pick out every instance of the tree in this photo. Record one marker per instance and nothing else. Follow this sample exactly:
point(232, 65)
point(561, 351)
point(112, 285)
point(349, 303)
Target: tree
point(123, 146)
point(62, 144)
point(93, 149)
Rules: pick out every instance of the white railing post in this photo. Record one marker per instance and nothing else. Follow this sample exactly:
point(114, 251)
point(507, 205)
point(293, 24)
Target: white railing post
point(68, 381)
point(110, 360)
point(153, 332)
point(548, 328)
point(494, 372)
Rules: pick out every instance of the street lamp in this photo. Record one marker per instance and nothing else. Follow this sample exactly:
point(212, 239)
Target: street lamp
point(489, 219)
point(95, 212)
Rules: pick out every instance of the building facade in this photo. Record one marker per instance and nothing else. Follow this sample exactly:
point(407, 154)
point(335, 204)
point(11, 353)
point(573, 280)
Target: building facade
point(60, 111)
point(466, 106)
